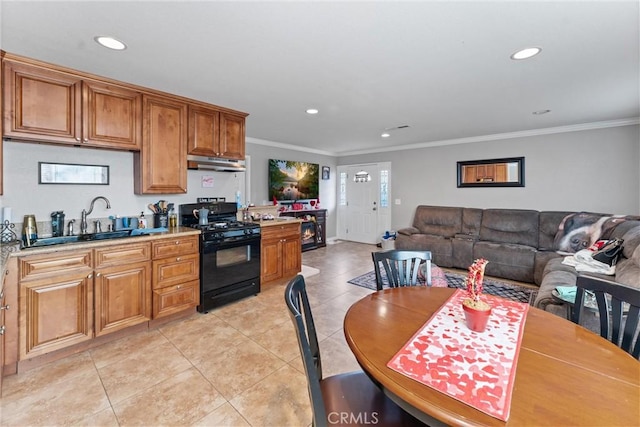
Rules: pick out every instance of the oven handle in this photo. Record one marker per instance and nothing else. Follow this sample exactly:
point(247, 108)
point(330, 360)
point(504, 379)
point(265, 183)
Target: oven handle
point(213, 246)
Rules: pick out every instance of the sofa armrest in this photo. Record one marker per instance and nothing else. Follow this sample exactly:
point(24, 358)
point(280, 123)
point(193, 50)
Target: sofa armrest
point(409, 231)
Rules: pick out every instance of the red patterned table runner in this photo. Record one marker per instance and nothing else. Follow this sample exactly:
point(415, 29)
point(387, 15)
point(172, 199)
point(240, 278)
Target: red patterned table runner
point(475, 368)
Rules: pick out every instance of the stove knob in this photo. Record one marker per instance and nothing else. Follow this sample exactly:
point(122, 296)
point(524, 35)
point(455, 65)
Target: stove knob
point(248, 231)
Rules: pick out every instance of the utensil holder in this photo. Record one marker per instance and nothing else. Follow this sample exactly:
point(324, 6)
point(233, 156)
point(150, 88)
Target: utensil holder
point(161, 220)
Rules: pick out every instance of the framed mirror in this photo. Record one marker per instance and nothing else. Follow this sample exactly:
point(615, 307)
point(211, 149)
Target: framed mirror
point(68, 173)
point(507, 172)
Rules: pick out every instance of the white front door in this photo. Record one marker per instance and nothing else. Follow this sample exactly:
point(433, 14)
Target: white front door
point(363, 208)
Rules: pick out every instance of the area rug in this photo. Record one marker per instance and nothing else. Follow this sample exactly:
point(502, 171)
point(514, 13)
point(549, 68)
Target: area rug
point(454, 280)
point(311, 271)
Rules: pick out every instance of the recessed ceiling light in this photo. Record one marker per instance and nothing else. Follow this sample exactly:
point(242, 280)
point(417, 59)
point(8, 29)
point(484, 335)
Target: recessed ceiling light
point(312, 111)
point(541, 112)
point(385, 135)
point(110, 42)
point(526, 53)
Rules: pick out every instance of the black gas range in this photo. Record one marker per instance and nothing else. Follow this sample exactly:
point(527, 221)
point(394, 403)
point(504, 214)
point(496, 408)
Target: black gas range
point(229, 253)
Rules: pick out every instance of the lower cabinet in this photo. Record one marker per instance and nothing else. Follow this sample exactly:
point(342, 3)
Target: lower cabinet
point(176, 275)
point(55, 313)
point(72, 296)
point(122, 297)
point(280, 252)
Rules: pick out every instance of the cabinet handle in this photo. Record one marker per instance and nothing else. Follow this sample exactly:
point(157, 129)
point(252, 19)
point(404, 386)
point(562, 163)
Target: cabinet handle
point(78, 139)
point(90, 276)
point(85, 140)
point(177, 242)
point(2, 330)
point(178, 258)
point(4, 307)
point(98, 274)
point(178, 287)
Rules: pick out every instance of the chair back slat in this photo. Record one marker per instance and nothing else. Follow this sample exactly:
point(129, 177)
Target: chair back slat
point(618, 308)
point(401, 267)
point(300, 313)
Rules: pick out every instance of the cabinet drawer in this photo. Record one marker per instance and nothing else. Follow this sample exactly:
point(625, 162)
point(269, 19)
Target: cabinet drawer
point(174, 247)
point(173, 299)
point(175, 270)
point(280, 231)
point(122, 255)
point(45, 265)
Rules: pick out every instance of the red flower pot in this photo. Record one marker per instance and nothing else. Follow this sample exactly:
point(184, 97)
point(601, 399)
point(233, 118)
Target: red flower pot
point(476, 319)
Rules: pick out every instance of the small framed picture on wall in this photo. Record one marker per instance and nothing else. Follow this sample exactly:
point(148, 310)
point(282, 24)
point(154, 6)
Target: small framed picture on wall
point(326, 171)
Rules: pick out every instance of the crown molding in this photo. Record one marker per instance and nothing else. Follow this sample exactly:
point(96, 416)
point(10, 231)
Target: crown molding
point(482, 138)
point(288, 146)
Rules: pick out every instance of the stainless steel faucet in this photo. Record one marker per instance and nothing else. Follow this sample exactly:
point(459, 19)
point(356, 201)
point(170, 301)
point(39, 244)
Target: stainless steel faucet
point(83, 220)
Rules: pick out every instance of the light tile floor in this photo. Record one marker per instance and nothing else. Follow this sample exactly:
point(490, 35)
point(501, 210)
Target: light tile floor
point(238, 365)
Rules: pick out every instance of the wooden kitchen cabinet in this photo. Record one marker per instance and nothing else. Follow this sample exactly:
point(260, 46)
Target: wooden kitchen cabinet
point(46, 105)
point(214, 133)
point(280, 252)
point(161, 165)
point(73, 296)
point(122, 287)
point(56, 302)
point(176, 275)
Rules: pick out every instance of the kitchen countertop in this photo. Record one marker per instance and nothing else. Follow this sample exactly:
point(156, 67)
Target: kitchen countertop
point(277, 221)
point(13, 249)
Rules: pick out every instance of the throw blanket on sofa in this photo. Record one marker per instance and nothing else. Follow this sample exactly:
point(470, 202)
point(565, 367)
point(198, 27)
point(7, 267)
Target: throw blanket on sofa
point(583, 261)
point(580, 230)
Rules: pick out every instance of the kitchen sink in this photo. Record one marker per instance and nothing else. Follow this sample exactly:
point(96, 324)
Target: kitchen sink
point(49, 241)
point(104, 235)
point(91, 237)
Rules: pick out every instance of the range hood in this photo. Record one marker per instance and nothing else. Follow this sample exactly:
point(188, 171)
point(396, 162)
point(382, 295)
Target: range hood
point(215, 164)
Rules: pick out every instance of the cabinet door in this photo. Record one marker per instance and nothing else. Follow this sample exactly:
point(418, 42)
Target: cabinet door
point(270, 262)
point(232, 142)
point(112, 116)
point(161, 165)
point(122, 297)
point(41, 104)
point(204, 131)
point(55, 313)
point(291, 256)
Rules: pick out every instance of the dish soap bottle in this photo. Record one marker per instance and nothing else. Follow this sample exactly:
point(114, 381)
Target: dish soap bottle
point(142, 221)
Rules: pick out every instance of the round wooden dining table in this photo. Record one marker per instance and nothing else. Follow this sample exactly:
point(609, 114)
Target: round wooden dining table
point(565, 375)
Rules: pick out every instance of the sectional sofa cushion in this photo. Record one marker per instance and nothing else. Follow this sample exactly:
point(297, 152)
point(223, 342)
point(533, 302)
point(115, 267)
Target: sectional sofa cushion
point(438, 220)
point(510, 226)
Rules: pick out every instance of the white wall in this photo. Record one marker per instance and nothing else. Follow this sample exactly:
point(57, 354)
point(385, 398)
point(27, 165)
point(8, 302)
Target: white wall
point(595, 170)
point(25, 196)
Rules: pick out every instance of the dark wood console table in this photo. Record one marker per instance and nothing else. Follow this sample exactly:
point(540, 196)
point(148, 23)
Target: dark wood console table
point(317, 217)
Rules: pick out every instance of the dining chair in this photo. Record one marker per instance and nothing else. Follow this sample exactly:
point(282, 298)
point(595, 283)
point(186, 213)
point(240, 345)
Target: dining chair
point(401, 267)
point(618, 308)
point(343, 399)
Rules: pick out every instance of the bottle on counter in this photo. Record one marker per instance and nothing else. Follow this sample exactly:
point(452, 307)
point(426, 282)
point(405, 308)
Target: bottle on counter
point(142, 221)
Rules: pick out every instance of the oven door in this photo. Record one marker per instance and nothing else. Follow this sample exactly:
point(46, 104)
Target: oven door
point(226, 263)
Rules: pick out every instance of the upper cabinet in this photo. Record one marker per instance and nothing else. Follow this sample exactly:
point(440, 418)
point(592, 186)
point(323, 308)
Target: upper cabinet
point(161, 166)
point(215, 133)
point(46, 105)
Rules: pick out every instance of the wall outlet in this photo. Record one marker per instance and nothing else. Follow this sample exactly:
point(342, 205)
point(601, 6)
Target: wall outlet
point(397, 202)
